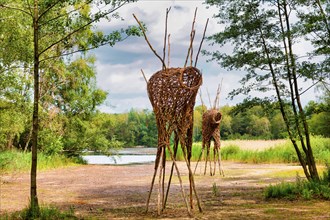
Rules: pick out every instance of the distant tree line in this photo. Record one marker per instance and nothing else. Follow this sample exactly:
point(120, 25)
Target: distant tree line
point(72, 131)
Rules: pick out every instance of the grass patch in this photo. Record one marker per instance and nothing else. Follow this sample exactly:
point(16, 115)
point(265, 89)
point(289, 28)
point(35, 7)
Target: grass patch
point(279, 153)
point(17, 161)
point(46, 213)
point(301, 189)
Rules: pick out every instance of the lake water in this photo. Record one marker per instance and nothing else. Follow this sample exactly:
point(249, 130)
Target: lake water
point(124, 156)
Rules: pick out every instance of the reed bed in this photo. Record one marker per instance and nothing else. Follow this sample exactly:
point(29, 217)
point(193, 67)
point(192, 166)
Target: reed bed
point(279, 151)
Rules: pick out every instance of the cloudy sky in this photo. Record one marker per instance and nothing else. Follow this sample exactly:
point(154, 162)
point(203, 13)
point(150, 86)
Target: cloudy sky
point(119, 67)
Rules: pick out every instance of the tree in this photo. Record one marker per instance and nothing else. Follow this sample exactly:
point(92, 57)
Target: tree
point(318, 115)
point(57, 28)
point(264, 35)
point(198, 113)
point(226, 122)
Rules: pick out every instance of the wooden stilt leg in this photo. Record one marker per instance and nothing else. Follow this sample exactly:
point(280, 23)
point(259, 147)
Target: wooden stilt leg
point(206, 159)
point(160, 185)
point(214, 160)
point(192, 185)
point(176, 141)
point(220, 165)
point(163, 180)
point(154, 176)
point(180, 180)
point(210, 165)
point(199, 158)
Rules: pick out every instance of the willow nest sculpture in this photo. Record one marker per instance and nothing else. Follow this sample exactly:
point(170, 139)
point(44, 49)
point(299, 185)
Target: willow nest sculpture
point(172, 93)
point(211, 120)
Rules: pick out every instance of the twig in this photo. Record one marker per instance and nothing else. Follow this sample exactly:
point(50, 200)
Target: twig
point(200, 95)
point(165, 35)
point(144, 76)
point(217, 97)
point(208, 94)
point(168, 51)
point(200, 46)
point(145, 37)
point(192, 49)
point(192, 35)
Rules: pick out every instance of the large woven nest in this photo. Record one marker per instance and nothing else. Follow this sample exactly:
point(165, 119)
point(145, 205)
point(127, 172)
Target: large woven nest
point(172, 93)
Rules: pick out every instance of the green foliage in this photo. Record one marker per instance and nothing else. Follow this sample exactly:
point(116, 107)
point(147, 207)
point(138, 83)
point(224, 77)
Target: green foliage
point(282, 153)
point(215, 190)
point(263, 37)
point(301, 189)
point(318, 114)
point(248, 121)
point(16, 161)
point(45, 213)
point(228, 152)
point(67, 85)
point(321, 149)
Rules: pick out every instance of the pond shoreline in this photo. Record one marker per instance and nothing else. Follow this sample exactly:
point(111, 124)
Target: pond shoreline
point(120, 192)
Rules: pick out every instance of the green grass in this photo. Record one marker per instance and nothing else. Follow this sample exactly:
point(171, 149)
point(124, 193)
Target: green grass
point(46, 213)
point(281, 153)
point(301, 189)
point(17, 161)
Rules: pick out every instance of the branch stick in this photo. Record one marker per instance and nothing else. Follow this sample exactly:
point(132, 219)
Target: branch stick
point(165, 35)
point(145, 37)
point(200, 45)
point(192, 35)
point(208, 94)
point(144, 76)
point(168, 51)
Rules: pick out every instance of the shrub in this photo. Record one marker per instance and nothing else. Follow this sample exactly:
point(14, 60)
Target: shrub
point(45, 213)
point(301, 189)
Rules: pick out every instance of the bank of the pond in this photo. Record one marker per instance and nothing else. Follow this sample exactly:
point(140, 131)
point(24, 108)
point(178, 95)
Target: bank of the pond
point(120, 192)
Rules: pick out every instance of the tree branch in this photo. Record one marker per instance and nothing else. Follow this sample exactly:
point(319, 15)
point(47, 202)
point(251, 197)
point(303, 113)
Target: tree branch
point(80, 28)
point(17, 9)
point(165, 35)
point(200, 45)
point(145, 37)
point(79, 51)
point(192, 36)
point(48, 9)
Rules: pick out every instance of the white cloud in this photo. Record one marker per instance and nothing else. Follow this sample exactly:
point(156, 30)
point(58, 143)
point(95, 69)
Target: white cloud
point(119, 67)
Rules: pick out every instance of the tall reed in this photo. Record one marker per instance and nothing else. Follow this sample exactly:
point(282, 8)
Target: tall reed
point(281, 153)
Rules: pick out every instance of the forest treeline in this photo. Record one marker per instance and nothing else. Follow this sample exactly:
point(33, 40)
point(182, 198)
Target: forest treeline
point(72, 132)
point(67, 96)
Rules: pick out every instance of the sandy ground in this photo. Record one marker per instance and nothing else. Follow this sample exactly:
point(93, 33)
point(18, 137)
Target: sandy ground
point(120, 192)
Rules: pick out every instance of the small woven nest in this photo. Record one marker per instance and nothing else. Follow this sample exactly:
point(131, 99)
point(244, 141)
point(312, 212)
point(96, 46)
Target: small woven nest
point(172, 93)
point(211, 128)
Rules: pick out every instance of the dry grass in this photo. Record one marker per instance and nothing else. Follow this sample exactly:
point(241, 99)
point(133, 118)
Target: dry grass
point(253, 144)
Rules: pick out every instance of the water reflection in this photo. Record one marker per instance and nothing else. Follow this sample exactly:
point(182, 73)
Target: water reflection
point(119, 159)
point(124, 156)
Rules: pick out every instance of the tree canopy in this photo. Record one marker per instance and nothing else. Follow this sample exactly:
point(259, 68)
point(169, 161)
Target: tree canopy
point(265, 37)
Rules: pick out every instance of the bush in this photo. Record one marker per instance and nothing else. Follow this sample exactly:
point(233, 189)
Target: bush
point(17, 161)
point(301, 189)
point(46, 213)
point(229, 152)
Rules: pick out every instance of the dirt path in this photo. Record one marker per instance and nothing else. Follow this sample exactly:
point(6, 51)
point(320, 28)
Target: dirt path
point(120, 192)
